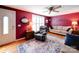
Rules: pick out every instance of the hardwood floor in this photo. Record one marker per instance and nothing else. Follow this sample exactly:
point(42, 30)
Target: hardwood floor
point(11, 47)
point(57, 35)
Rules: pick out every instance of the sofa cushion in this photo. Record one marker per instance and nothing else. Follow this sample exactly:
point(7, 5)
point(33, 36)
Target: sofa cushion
point(63, 31)
point(59, 27)
point(54, 27)
point(66, 27)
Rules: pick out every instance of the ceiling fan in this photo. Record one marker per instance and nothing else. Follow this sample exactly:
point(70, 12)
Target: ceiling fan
point(53, 8)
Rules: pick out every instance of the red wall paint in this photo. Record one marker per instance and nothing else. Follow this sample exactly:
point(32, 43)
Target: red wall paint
point(20, 30)
point(65, 20)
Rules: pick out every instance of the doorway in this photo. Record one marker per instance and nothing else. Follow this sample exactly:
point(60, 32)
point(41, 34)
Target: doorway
point(7, 26)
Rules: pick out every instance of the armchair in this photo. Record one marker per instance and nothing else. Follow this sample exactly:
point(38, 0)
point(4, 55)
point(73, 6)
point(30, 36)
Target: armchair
point(41, 35)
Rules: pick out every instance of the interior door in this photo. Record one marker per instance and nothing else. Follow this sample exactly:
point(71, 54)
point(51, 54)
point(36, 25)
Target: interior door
point(7, 26)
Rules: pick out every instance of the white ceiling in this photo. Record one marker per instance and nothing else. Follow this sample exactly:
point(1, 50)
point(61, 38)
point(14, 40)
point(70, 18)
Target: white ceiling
point(41, 9)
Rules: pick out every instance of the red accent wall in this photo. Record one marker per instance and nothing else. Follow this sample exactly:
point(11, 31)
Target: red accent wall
point(65, 20)
point(20, 30)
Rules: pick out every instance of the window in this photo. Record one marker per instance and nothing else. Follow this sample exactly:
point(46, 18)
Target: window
point(37, 21)
point(5, 25)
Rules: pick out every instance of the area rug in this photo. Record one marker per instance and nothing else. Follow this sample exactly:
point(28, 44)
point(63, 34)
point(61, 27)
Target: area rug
point(35, 46)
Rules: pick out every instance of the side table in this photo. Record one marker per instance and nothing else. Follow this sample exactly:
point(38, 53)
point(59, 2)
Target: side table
point(29, 35)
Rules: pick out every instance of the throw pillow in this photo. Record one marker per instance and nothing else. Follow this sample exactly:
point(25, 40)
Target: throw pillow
point(68, 29)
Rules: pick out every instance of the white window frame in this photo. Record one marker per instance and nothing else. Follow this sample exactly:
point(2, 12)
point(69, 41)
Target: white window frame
point(37, 21)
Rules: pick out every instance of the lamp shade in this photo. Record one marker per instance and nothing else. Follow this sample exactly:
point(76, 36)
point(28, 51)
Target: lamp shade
point(74, 23)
